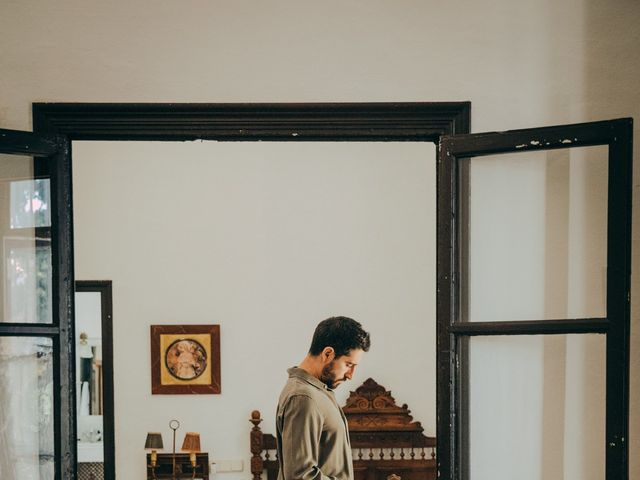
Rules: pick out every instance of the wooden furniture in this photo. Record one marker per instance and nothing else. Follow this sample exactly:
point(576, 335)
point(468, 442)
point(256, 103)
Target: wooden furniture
point(263, 451)
point(387, 444)
point(164, 466)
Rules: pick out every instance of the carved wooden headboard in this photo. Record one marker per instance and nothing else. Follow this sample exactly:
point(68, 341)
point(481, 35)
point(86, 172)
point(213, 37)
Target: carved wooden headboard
point(387, 444)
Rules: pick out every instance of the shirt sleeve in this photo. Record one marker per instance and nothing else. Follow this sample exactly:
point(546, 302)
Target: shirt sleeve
point(301, 433)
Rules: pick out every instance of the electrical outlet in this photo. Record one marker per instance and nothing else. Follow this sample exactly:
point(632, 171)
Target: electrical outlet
point(223, 466)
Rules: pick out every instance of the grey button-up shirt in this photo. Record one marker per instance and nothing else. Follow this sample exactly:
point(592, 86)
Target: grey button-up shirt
point(312, 431)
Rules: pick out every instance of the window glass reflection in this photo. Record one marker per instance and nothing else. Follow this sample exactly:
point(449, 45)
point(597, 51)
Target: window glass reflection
point(28, 280)
point(30, 203)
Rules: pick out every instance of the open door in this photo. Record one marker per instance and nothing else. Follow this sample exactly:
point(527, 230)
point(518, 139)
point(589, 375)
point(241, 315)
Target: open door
point(37, 422)
point(534, 242)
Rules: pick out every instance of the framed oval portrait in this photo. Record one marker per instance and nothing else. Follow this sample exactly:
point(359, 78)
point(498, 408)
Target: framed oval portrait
point(185, 359)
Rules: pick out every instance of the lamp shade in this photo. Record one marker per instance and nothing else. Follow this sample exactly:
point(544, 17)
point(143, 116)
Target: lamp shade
point(191, 442)
point(154, 441)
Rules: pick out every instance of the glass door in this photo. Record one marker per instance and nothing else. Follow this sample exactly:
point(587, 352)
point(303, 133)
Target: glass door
point(36, 288)
point(533, 298)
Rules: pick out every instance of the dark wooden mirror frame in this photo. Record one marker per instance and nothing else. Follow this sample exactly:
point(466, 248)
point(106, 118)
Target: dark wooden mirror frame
point(414, 122)
point(103, 287)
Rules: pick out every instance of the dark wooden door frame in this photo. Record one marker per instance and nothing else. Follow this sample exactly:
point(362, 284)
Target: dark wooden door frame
point(253, 121)
point(414, 122)
point(104, 288)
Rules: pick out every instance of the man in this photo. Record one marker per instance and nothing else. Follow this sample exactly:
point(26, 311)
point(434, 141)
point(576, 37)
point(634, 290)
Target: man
point(312, 433)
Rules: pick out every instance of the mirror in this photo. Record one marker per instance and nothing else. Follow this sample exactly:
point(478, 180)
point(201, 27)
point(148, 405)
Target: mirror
point(94, 379)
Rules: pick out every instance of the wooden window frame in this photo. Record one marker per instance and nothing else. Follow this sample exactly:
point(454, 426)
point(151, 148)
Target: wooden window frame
point(52, 159)
point(453, 366)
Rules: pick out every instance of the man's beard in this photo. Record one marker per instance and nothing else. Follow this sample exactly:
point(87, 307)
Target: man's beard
point(328, 377)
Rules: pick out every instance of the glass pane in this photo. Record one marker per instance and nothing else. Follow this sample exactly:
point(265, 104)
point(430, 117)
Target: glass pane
point(26, 416)
point(534, 235)
point(89, 383)
point(25, 225)
point(537, 407)
point(30, 203)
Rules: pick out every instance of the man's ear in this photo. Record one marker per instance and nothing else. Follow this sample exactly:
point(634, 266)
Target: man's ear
point(328, 354)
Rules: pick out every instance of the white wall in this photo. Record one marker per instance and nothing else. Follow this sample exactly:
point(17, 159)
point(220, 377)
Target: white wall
point(538, 244)
point(522, 64)
point(265, 239)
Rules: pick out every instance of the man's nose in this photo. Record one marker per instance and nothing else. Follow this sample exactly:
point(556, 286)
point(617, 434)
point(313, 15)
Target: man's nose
point(349, 373)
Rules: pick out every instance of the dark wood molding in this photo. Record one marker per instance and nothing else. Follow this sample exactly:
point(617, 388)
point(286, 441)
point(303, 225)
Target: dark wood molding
point(258, 121)
point(105, 288)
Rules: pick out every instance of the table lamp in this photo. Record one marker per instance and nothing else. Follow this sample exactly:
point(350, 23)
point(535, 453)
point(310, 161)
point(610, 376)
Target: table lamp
point(191, 444)
point(153, 443)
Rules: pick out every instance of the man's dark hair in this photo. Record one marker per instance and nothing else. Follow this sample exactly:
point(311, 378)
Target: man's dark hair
point(343, 334)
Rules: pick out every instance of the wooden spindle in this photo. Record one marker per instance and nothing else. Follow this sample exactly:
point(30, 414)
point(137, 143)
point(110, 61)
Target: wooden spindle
point(256, 446)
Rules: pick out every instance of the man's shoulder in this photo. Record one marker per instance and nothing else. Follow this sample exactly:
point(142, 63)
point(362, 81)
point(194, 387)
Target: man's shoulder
point(296, 386)
point(299, 397)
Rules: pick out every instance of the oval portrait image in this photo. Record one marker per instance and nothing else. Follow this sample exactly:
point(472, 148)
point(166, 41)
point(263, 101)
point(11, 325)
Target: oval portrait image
point(186, 359)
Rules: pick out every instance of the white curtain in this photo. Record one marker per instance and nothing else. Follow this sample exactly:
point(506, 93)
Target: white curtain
point(26, 409)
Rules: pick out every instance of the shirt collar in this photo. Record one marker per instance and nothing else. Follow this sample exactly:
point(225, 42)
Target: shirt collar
point(302, 374)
